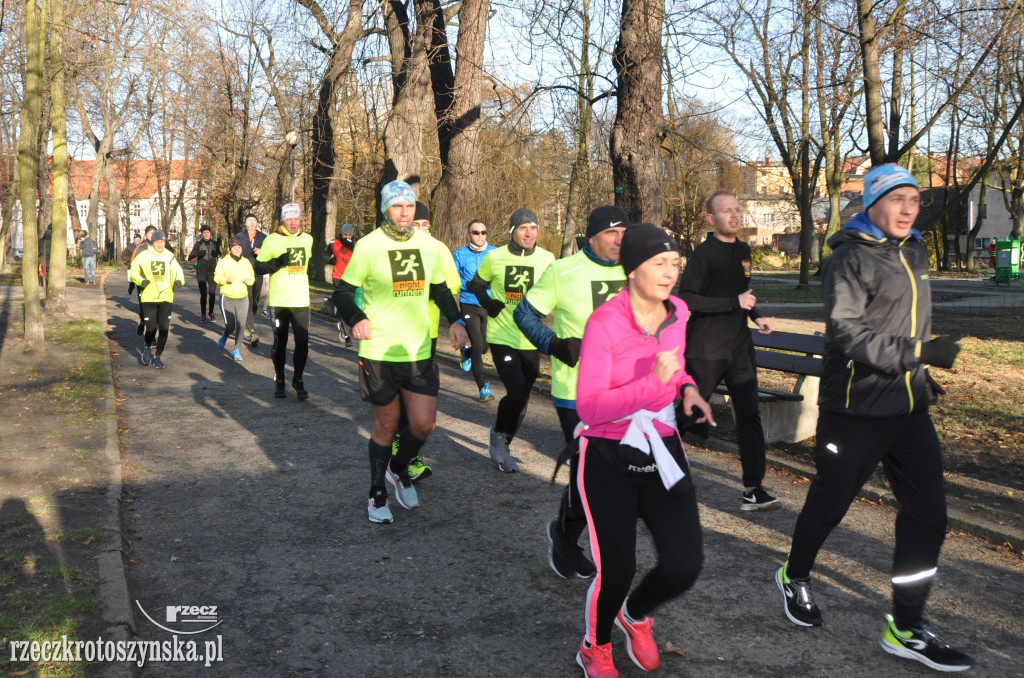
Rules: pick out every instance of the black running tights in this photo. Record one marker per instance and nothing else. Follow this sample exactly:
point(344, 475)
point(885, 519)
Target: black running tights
point(298, 319)
point(157, 318)
point(614, 501)
point(847, 451)
point(518, 369)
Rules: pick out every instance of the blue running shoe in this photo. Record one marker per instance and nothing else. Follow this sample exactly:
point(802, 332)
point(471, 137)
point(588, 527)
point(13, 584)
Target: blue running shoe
point(237, 355)
point(467, 362)
point(485, 393)
point(222, 341)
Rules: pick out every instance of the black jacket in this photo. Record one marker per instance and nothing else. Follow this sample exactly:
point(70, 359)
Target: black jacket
point(205, 254)
point(877, 312)
point(716, 274)
point(247, 245)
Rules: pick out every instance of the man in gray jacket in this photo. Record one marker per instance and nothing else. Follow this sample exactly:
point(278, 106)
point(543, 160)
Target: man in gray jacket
point(875, 393)
point(88, 246)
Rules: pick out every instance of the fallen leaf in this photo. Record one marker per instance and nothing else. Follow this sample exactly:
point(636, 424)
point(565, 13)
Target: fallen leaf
point(90, 540)
point(669, 647)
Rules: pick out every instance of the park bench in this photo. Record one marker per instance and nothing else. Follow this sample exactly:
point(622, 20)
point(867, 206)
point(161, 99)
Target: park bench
point(788, 416)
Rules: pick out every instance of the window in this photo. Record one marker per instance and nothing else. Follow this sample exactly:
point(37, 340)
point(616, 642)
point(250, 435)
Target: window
point(83, 210)
point(136, 209)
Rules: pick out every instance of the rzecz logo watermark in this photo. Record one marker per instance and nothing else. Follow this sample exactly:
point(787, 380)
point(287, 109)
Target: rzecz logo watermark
point(192, 619)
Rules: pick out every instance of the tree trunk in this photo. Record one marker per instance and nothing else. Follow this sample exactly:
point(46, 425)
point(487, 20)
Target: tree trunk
point(10, 181)
point(580, 176)
point(410, 79)
point(872, 81)
point(28, 160)
point(56, 297)
point(322, 141)
point(639, 127)
point(111, 211)
point(459, 118)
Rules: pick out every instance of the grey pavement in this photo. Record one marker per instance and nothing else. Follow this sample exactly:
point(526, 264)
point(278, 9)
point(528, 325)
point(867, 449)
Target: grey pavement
point(257, 505)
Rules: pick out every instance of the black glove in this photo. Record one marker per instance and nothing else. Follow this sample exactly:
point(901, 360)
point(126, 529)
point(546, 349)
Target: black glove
point(934, 388)
point(284, 260)
point(494, 307)
point(142, 285)
point(940, 351)
point(178, 284)
point(567, 350)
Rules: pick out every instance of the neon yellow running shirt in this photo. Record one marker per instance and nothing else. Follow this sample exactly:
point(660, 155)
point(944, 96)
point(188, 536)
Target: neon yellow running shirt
point(395, 278)
point(451, 278)
point(572, 288)
point(289, 285)
point(511, 276)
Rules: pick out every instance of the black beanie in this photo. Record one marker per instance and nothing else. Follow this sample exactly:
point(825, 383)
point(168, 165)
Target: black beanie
point(605, 217)
point(422, 212)
point(521, 216)
point(640, 242)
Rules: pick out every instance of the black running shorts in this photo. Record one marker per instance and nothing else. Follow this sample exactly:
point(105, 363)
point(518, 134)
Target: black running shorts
point(380, 380)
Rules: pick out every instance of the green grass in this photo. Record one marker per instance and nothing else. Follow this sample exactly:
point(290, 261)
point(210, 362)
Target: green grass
point(785, 293)
point(80, 535)
point(84, 335)
point(1007, 354)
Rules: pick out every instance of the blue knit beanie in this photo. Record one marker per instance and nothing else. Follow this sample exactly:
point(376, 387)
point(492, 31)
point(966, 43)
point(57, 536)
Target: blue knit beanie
point(884, 178)
point(396, 191)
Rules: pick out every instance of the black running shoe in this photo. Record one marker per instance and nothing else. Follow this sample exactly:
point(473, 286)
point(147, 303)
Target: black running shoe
point(299, 389)
point(759, 500)
point(157, 363)
point(279, 388)
point(565, 557)
point(147, 355)
point(797, 598)
point(922, 644)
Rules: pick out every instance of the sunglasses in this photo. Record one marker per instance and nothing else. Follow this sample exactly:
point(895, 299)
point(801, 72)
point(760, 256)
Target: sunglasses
point(478, 232)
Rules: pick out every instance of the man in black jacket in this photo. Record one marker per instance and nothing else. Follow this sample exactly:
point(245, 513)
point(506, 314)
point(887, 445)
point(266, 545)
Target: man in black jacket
point(873, 408)
point(716, 287)
point(204, 256)
point(252, 239)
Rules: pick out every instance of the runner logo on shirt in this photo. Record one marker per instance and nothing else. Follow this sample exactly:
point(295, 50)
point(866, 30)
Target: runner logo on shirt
point(518, 281)
point(603, 290)
point(407, 276)
point(296, 260)
point(158, 269)
point(746, 267)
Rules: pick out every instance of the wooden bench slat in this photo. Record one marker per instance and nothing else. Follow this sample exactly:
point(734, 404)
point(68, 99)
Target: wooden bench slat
point(789, 362)
point(789, 341)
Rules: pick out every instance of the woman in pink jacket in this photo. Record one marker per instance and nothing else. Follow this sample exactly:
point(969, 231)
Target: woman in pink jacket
point(632, 463)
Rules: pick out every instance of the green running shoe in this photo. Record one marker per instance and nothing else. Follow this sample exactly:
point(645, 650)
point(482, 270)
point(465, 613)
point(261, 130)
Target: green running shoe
point(418, 470)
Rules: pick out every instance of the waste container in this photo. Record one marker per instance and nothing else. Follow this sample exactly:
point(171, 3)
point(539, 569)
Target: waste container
point(1007, 260)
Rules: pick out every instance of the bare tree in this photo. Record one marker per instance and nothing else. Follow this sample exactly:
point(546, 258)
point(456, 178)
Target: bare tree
point(56, 302)
point(28, 160)
point(639, 121)
point(458, 107)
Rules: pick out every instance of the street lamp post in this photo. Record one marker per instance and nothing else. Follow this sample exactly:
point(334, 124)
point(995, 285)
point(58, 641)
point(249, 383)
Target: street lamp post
point(292, 138)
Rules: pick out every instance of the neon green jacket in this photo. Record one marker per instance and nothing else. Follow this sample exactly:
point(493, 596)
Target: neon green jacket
point(161, 269)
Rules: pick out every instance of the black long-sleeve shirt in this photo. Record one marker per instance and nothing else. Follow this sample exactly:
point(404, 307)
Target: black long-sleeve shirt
point(715, 275)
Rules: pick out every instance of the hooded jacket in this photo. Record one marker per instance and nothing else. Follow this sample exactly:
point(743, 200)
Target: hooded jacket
point(877, 312)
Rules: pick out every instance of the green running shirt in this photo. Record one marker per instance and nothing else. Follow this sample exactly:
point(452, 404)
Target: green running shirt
point(572, 288)
point(395, 278)
point(289, 285)
point(511, 276)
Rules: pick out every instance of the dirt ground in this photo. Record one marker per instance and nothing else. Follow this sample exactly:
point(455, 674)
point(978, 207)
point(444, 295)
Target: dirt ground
point(53, 480)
